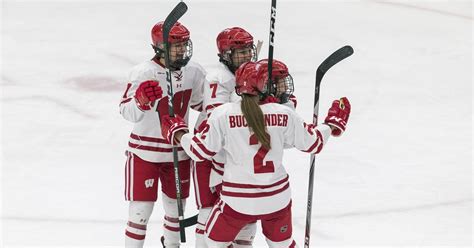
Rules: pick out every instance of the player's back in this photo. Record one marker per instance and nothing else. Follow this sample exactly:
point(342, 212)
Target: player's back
point(255, 181)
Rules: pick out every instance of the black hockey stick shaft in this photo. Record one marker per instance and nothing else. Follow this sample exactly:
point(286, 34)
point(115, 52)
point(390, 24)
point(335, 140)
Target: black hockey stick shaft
point(169, 22)
point(271, 40)
point(329, 62)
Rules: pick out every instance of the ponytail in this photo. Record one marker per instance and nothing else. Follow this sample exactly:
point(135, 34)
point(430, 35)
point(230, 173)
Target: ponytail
point(254, 116)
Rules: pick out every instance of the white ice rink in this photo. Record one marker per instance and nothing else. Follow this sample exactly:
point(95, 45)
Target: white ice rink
point(400, 176)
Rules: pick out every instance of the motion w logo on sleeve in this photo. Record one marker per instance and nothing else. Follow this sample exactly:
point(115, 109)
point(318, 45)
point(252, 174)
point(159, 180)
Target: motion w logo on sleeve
point(149, 183)
point(178, 75)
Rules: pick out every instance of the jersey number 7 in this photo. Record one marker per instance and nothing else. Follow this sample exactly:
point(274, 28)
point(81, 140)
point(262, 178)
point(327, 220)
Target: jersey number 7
point(213, 87)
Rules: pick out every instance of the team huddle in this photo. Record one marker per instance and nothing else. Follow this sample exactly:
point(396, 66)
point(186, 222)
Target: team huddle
point(235, 152)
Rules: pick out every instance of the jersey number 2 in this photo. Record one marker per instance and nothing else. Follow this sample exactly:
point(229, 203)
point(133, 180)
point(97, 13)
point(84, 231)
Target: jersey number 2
point(259, 166)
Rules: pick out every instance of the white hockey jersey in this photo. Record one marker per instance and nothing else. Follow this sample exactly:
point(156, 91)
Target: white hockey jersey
point(219, 89)
point(254, 180)
point(146, 140)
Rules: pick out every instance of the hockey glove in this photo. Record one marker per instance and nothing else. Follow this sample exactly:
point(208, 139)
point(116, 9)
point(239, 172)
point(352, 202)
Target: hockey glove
point(172, 125)
point(146, 93)
point(338, 116)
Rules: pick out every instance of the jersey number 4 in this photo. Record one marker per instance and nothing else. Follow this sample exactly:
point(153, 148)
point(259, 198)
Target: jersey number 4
point(260, 166)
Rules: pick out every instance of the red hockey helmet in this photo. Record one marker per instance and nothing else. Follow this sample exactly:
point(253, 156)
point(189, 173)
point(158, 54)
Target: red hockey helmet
point(179, 39)
point(279, 70)
point(281, 85)
point(235, 47)
point(246, 80)
point(178, 33)
point(231, 38)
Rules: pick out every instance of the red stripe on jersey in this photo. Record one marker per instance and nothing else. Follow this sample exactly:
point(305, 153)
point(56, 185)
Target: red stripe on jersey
point(213, 106)
point(197, 107)
point(255, 186)
point(309, 128)
point(203, 148)
point(126, 100)
point(312, 146)
point(128, 177)
point(195, 152)
point(173, 229)
point(135, 236)
point(217, 163)
point(137, 226)
point(220, 172)
point(254, 195)
point(129, 85)
point(153, 149)
point(214, 210)
point(148, 139)
point(199, 231)
point(171, 219)
point(293, 99)
point(320, 137)
point(293, 244)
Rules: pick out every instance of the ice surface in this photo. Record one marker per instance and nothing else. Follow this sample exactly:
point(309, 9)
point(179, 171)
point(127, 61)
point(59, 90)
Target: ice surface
point(400, 176)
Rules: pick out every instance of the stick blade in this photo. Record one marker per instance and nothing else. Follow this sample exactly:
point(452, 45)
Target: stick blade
point(333, 59)
point(178, 11)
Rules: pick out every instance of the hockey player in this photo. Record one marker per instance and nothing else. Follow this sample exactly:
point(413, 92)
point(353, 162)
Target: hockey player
point(235, 46)
point(255, 184)
point(149, 155)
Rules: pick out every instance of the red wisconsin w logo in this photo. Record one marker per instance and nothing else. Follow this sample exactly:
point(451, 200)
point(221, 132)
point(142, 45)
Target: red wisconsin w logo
point(149, 183)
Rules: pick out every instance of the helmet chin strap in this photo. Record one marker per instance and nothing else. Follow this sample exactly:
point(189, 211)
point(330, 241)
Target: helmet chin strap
point(178, 64)
point(159, 53)
point(227, 62)
point(174, 65)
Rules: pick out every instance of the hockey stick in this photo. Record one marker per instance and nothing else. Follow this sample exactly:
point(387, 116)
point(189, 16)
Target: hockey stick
point(329, 62)
point(169, 22)
point(271, 39)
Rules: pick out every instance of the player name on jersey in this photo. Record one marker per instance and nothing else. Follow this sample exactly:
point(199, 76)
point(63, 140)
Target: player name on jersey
point(280, 120)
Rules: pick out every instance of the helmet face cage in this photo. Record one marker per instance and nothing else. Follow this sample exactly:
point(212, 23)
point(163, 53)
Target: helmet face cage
point(239, 56)
point(180, 53)
point(235, 57)
point(281, 88)
point(180, 45)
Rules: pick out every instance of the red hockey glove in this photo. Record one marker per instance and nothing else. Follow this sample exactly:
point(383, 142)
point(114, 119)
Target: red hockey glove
point(338, 116)
point(147, 92)
point(172, 125)
point(270, 99)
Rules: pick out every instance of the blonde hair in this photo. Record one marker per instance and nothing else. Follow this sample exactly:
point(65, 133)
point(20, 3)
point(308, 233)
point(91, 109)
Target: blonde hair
point(255, 119)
